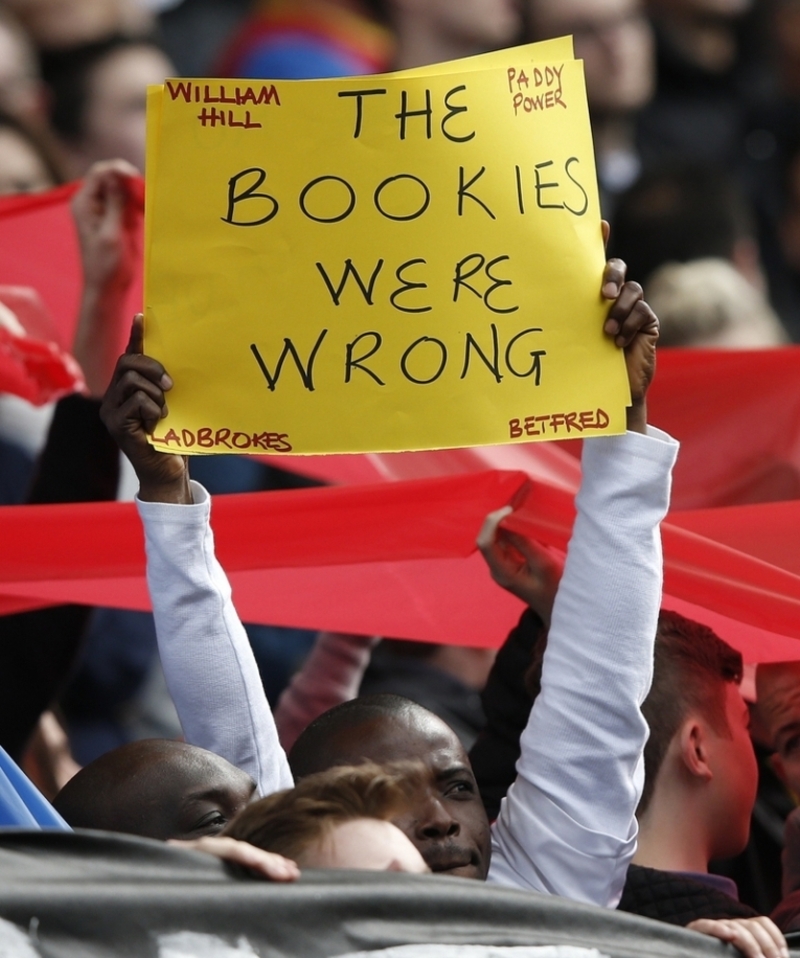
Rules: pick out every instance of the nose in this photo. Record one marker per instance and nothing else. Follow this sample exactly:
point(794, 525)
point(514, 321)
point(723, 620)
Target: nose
point(435, 821)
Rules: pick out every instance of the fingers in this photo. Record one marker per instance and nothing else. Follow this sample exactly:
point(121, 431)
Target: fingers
point(605, 229)
point(136, 395)
point(141, 373)
point(106, 179)
point(754, 937)
point(488, 533)
point(769, 937)
point(630, 294)
point(613, 278)
point(630, 315)
point(641, 319)
point(267, 864)
point(538, 557)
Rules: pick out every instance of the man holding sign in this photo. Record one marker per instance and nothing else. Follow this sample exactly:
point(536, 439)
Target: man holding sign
point(568, 824)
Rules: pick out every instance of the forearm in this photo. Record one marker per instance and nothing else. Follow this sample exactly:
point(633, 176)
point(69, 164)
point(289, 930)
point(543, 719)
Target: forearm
point(208, 663)
point(568, 825)
point(97, 340)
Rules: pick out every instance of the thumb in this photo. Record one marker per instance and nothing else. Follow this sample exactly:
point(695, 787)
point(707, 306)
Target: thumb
point(136, 341)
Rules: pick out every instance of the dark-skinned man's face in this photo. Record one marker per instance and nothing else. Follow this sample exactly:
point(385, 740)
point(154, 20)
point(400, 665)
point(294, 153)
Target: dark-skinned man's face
point(448, 823)
point(157, 789)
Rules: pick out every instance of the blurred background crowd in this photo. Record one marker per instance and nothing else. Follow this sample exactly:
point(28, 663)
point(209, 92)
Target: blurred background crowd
point(696, 116)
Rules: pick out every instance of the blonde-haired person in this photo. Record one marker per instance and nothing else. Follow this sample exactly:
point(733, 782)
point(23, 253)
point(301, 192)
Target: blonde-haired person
point(708, 303)
point(339, 818)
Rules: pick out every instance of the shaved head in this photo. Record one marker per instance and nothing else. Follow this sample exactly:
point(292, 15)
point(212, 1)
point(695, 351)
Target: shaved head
point(158, 789)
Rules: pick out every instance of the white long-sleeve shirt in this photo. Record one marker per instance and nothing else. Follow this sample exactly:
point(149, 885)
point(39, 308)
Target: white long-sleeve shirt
point(567, 826)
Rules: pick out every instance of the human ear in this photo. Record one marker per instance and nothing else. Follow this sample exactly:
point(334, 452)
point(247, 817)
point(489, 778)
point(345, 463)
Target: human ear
point(695, 749)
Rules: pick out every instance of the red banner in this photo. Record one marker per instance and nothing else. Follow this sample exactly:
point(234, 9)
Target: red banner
point(395, 559)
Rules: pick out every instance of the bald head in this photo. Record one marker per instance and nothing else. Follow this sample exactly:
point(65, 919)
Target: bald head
point(158, 789)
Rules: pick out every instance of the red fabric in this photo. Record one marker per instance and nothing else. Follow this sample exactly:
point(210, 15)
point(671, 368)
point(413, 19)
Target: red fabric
point(432, 518)
point(292, 559)
point(40, 250)
point(36, 371)
point(737, 416)
point(32, 365)
point(394, 559)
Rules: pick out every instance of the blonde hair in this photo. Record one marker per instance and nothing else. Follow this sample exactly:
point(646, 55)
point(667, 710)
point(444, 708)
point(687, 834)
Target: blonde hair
point(707, 302)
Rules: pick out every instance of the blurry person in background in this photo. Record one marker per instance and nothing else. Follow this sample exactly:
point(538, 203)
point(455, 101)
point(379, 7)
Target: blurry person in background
point(778, 716)
point(430, 31)
point(98, 98)
point(56, 24)
point(615, 41)
point(303, 39)
point(314, 38)
point(682, 213)
point(446, 679)
point(711, 64)
point(708, 303)
point(27, 163)
point(22, 93)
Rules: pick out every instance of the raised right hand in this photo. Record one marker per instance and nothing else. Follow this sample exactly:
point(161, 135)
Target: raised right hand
point(132, 407)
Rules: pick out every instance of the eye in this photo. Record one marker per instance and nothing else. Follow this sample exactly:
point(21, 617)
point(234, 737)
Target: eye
point(211, 824)
point(460, 789)
point(790, 746)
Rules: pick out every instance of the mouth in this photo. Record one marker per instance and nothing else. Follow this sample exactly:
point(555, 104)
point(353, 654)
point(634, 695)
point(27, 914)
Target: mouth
point(458, 864)
point(459, 871)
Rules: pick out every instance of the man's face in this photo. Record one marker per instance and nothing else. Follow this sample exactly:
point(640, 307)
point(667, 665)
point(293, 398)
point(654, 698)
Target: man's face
point(615, 42)
point(736, 774)
point(483, 23)
point(448, 823)
point(20, 87)
point(114, 123)
point(206, 803)
point(779, 711)
point(170, 790)
point(64, 23)
point(367, 843)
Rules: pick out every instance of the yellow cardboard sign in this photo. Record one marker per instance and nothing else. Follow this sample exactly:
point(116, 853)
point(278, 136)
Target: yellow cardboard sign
point(381, 263)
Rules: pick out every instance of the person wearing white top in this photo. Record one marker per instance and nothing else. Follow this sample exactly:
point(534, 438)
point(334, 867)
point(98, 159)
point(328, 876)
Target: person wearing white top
point(567, 826)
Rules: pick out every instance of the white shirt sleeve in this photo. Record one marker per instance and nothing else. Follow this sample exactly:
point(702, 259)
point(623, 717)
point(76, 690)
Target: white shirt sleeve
point(567, 826)
point(208, 663)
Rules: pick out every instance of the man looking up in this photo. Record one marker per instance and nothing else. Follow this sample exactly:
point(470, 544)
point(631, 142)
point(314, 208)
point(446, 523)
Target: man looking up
point(567, 825)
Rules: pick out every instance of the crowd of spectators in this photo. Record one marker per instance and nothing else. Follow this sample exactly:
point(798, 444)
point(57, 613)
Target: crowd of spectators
point(695, 108)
